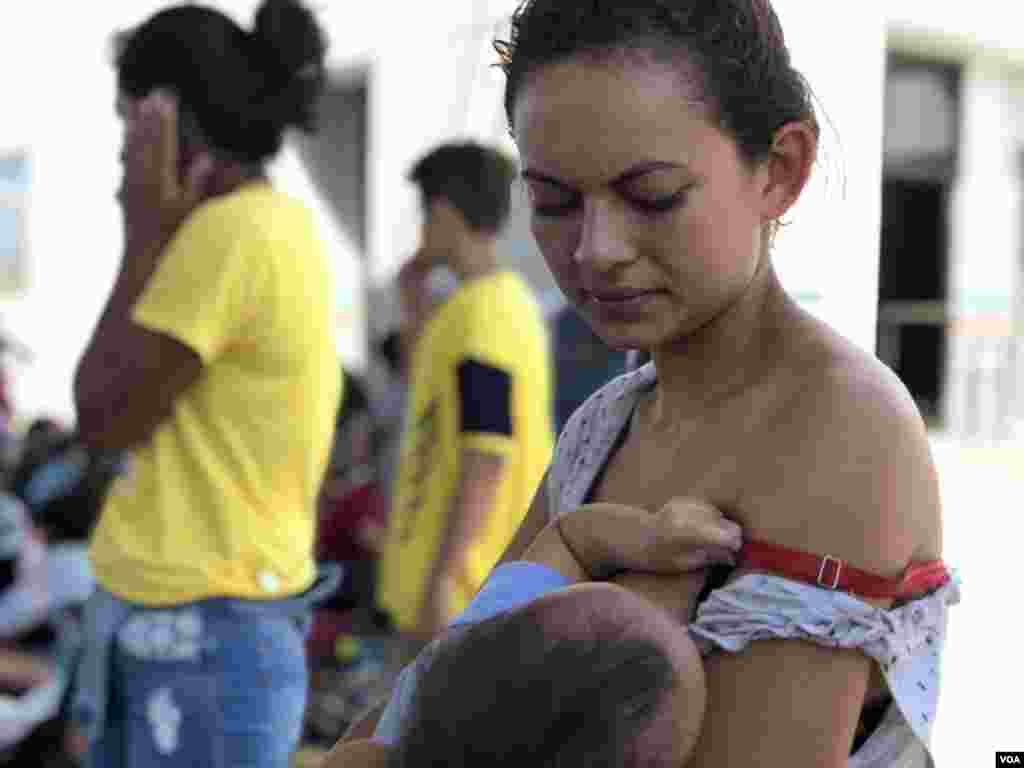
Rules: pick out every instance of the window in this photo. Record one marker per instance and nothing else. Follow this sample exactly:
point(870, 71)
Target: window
point(13, 203)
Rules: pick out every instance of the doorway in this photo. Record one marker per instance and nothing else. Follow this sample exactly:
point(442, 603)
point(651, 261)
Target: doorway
point(921, 139)
point(912, 291)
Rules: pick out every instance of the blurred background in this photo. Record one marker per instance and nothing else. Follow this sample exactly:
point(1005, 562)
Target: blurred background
point(910, 242)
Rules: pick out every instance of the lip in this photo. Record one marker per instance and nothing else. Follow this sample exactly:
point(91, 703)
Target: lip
point(622, 296)
point(622, 306)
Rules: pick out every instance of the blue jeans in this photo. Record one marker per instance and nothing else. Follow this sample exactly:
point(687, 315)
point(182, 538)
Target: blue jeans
point(205, 684)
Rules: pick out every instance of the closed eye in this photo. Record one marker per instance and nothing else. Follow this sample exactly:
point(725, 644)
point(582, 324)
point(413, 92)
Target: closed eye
point(568, 205)
point(550, 200)
point(660, 204)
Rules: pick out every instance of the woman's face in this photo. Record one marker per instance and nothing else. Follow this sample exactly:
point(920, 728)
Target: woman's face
point(645, 212)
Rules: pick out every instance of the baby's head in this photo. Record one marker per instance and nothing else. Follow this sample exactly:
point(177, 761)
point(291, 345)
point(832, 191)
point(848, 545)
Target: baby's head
point(592, 675)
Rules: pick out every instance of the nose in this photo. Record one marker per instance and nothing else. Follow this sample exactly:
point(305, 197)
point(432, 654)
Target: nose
point(603, 243)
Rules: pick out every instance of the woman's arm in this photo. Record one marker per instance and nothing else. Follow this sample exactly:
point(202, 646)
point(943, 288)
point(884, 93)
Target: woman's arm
point(848, 474)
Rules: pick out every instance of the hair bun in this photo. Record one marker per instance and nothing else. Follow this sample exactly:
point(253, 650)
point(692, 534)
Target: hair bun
point(292, 47)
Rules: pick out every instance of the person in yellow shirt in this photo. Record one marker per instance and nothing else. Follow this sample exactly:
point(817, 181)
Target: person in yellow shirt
point(215, 365)
point(478, 424)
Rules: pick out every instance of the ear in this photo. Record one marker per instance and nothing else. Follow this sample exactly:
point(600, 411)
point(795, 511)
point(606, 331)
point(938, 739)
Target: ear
point(451, 216)
point(788, 168)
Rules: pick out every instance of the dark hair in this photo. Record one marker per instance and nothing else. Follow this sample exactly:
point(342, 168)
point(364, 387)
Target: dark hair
point(746, 77)
point(506, 693)
point(242, 88)
point(64, 483)
point(477, 180)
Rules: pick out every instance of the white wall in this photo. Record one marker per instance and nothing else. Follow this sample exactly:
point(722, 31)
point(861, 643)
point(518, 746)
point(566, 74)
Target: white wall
point(986, 217)
point(58, 87)
point(61, 110)
point(986, 198)
point(958, 28)
point(831, 248)
point(420, 89)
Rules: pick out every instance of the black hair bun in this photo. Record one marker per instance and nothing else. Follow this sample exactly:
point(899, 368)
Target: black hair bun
point(292, 47)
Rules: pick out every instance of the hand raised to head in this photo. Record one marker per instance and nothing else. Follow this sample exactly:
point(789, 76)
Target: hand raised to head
point(157, 194)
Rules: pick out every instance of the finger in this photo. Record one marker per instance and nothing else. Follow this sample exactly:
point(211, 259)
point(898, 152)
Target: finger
point(687, 520)
point(133, 158)
point(685, 510)
point(164, 106)
point(691, 560)
point(695, 559)
point(685, 514)
point(197, 179)
point(724, 533)
point(721, 556)
point(139, 155)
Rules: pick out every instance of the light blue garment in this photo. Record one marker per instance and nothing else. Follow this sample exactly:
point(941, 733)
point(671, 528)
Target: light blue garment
point(104, 615)
point(250, 653)
point(509, 586)
point(56, 478)
point(69, 575)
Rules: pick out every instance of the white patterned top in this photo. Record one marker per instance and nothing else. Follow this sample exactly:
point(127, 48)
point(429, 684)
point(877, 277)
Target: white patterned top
point(906, 641)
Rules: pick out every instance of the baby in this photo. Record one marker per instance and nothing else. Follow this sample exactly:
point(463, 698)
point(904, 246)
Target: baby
point(547, 666)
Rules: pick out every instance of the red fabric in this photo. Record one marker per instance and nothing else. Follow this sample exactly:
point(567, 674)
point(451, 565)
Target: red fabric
point(327, 627)
point(341, 519)
point(832, 573)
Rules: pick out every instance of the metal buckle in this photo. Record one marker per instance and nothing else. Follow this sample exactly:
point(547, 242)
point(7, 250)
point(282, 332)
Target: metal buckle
point(821, 571)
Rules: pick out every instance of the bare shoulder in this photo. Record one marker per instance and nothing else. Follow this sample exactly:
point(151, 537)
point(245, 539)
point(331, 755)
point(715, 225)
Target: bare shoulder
point(845, 466)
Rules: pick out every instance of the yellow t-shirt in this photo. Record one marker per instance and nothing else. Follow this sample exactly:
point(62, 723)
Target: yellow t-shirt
point(220, 501)
point(494, 325)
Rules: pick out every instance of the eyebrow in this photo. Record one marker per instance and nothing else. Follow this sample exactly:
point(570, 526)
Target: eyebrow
point(636, 171)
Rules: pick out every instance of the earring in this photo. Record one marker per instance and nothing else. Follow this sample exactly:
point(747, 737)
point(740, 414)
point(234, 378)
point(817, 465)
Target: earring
point(773, 229)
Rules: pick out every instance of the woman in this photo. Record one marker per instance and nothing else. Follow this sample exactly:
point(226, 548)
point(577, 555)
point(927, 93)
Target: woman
point(215, 366)
point(662, 142)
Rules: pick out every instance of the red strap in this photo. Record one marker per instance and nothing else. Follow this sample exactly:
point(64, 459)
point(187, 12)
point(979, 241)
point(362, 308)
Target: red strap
point(834, 574)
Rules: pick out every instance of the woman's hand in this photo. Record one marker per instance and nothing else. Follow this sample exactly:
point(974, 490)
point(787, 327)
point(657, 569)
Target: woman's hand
point(156, 194)
point(685, 535)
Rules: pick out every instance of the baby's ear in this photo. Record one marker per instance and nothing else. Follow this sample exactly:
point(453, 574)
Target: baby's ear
point(361, 753)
